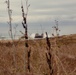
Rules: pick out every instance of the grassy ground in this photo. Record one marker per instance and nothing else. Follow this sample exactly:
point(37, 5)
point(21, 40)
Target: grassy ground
point(64, 60)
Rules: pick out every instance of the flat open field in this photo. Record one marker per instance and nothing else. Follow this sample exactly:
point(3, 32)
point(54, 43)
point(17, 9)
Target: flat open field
point(63, 49)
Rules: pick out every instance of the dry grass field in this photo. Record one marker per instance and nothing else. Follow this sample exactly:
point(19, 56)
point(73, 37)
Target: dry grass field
point(63, 56)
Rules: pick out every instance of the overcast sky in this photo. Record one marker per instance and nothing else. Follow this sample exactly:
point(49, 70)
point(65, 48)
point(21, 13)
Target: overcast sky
point(41, 16)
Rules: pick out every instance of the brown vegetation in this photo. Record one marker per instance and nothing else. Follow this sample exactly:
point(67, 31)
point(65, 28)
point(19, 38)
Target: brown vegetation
point(64, 62)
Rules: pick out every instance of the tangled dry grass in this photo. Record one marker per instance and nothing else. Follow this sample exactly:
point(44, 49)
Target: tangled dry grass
point(64, 63)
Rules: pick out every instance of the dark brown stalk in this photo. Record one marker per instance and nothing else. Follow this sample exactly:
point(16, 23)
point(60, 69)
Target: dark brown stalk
point(28, 50)
point(49, 54)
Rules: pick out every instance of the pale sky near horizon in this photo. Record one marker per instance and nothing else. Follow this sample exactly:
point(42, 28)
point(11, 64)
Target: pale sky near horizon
point(41, 16)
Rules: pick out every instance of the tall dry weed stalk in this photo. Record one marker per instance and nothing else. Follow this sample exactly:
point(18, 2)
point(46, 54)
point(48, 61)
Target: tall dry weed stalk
point(10, 18)
point(27, 50)
point(49, 54)
point(11, 34)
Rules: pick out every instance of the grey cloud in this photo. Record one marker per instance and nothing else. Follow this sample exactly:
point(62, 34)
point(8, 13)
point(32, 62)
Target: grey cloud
point(43, 12)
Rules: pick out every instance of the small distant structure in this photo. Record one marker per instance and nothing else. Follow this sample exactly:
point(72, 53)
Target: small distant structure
point(2, 37)
point(38, 35)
